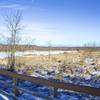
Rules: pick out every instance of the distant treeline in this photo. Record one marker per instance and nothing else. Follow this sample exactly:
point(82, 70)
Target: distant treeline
point(44, 48)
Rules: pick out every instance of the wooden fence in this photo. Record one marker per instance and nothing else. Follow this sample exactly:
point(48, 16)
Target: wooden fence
point(50, 83)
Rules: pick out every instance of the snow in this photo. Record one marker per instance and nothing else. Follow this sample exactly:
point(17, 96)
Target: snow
point(31, 53)
point(96, 73)
point(3, 97)
point(44, 90)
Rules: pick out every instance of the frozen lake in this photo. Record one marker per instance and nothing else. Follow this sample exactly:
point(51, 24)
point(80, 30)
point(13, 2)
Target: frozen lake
point(5, 54)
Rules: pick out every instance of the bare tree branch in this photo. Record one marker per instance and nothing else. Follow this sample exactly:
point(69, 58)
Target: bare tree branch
point(13, 24)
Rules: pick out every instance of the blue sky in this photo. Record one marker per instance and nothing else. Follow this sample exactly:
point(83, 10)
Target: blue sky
point(63, 22)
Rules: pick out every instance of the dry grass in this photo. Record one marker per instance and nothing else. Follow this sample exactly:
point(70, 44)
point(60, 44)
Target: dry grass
point(61, 61)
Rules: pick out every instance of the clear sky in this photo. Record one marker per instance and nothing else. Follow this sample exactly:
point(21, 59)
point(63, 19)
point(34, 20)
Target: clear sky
point(64, 22)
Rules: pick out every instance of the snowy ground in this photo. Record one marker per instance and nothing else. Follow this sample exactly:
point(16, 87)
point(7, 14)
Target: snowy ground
point(3, 97)
point(44, 90)
point(92, 81)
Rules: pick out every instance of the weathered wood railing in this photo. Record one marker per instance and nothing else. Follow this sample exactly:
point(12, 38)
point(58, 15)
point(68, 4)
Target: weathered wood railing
point(51, 83)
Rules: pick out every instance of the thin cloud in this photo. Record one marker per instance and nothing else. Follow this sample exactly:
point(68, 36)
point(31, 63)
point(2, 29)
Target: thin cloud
point(12, 6)
point(9, 6)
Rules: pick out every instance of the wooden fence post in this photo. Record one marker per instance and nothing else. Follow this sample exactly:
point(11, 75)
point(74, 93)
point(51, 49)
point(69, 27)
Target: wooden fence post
point(55, 92)
point(15, 90)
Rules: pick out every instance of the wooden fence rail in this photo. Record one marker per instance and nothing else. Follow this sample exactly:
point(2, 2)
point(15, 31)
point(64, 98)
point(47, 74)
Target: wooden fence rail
point(51, 83)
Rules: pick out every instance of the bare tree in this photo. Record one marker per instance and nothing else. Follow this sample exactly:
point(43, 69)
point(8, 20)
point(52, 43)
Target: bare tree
point(13, 25)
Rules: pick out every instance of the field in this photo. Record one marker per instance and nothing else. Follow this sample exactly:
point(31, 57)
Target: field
point(80, 67)
point(83, 63)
